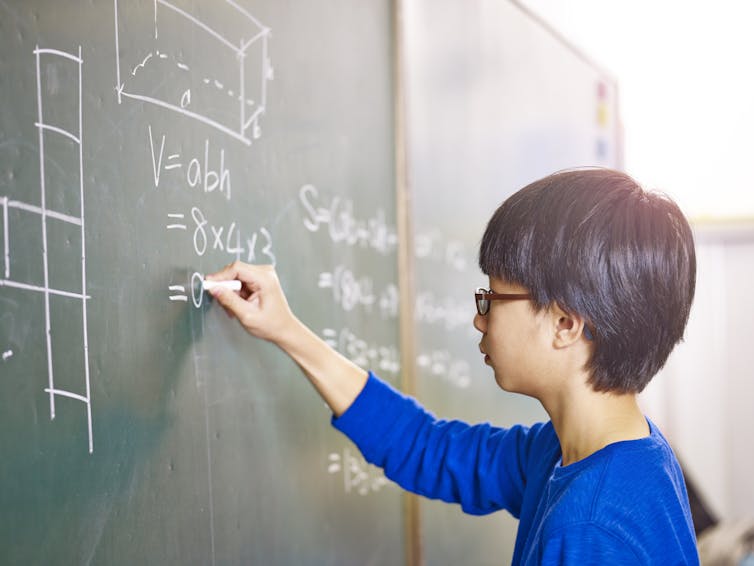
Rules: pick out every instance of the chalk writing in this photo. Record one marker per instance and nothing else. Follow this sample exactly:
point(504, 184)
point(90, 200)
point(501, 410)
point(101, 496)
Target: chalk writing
point(343, 226)
point(223, 238)
point(350, 291)
point(440, 364)
point(227, 238)
point(363, 353)
point(174, 223)
point(446, 312)
point(197, 291)
point(198, 173)
point(6, 245)
point(359, 476)
point(206, 236)
point(43, 129)
point(434, 246)
point(186, 97)
point(179, 293)
point(143, 79)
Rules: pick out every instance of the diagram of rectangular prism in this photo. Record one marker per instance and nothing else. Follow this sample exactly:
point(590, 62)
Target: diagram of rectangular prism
point(205, 60)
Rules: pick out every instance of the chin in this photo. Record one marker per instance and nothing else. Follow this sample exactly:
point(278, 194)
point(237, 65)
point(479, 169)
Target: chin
point(506, 385)
point(501, 382)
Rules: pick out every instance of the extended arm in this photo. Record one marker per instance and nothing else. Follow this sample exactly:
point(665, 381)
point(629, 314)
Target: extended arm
point(262, 309)
point(479, 467)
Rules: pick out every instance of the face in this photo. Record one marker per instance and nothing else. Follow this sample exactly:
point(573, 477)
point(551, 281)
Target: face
point(515, 341)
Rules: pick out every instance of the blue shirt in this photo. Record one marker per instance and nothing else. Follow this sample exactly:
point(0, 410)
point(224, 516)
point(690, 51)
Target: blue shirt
point(624, 504)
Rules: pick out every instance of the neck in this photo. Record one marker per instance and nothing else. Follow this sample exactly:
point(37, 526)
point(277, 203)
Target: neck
point(586, 421)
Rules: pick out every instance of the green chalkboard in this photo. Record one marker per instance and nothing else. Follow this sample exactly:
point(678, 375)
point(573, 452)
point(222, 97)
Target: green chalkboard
point(143, 144)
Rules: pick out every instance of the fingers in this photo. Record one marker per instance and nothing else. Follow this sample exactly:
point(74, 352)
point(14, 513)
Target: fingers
point(260, 306)
point(233, 304)
point(252, 277)
point(244, 272)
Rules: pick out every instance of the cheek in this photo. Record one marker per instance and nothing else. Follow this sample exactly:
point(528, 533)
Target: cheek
point(504, 332)
point(502, 345)
point(513, 341)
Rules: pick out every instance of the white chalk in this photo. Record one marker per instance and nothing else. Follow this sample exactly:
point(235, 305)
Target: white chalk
point(234, 285)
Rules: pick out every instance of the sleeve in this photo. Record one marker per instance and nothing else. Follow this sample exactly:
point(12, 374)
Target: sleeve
point(481, 467)
point(587, 543)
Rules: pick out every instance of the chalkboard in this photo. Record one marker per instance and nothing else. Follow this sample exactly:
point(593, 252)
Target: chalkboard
point(495, 100)
point(143, 144)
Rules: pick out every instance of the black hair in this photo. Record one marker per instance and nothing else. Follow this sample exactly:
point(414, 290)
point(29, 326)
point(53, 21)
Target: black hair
point(599, 246)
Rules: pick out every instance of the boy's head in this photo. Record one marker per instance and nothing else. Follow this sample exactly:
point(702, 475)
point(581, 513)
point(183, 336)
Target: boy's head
point(596, 244)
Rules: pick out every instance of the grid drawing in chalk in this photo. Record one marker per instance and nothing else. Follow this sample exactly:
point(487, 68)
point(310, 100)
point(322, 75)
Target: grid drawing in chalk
point(51, 220)
point(214, 55)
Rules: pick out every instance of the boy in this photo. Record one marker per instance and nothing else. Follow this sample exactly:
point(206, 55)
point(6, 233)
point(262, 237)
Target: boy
point(590, 284)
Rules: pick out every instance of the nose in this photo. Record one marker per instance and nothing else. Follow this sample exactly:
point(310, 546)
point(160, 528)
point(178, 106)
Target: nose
point(480, 323)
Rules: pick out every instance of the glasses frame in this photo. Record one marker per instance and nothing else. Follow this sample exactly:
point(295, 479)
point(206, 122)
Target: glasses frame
point(482, 294)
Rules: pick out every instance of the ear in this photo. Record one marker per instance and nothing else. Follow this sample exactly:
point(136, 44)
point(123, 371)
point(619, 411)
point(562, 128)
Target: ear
point(568, 328)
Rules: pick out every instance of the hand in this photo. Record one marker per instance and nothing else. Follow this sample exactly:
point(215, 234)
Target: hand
point(260, 306)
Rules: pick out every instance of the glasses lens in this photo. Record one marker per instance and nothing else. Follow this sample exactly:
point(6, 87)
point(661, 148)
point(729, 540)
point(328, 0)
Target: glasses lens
point(482, 305)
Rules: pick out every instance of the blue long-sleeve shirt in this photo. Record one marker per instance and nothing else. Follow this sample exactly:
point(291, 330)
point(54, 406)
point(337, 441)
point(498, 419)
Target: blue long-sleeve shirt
point(624, 504)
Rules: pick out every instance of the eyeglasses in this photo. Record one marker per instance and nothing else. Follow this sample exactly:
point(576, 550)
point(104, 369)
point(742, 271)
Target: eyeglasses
point(484, 296)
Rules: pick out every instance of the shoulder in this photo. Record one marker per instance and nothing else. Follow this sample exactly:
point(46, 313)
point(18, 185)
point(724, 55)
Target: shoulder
point(618, 491)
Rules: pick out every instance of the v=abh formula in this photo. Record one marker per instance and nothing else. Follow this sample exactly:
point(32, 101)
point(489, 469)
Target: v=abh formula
point(197, 173)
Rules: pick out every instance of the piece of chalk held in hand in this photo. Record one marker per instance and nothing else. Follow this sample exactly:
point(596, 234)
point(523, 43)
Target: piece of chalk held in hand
point(234, 285)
